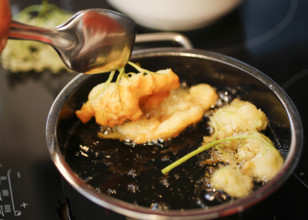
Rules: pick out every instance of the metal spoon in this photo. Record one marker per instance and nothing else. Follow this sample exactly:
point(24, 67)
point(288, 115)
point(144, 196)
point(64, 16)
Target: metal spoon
point(92, 41)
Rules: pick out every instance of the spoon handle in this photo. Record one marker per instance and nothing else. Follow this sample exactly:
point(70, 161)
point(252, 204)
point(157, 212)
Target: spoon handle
point(27, 32)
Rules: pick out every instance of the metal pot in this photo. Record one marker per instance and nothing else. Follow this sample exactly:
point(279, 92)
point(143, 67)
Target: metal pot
point(193, 66)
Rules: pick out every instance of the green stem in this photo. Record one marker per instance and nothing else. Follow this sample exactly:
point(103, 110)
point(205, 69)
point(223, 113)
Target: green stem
point(178, 162)
point(121, 73)
point(138, 68)
point(110, 77)
point(183, 159)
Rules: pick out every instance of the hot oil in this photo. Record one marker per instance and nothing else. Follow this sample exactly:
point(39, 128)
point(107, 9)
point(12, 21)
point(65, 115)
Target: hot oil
point(132, 172)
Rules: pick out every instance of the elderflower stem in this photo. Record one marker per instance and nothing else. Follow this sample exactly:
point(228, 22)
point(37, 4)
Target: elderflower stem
point(190, 155)
point(138, 68)
point(121, 73)
point(183, 159)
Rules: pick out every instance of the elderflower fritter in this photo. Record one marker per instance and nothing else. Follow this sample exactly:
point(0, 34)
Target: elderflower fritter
point(243, 153)
point(239, 116)
point(146, 106)
point(176, 112)
point(114, 103)
point(232, 181)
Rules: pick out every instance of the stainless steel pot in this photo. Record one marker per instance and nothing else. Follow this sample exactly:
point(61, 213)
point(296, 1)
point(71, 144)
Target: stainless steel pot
point(193, 66)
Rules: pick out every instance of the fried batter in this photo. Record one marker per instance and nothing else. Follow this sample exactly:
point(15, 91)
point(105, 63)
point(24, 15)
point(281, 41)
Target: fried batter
point(259, 158)
point(115, 103)
point(232, 181)
point(246, 149)
point(254, 158)
point(180, 109)
point(239, 116)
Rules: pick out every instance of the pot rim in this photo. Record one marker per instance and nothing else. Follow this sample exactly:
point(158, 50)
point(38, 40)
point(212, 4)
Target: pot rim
point(226, 209)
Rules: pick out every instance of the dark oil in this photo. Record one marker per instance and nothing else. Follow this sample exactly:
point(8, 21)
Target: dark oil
point(132, 173)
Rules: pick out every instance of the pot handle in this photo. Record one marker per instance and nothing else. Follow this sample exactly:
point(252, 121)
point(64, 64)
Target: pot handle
point(164, 36)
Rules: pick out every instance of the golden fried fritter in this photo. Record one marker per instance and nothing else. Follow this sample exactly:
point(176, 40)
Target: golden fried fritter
point(249, 155)
point(239, 116)
point(259, 158)
point(180, 109)
point(231, 180)
point(115, 103)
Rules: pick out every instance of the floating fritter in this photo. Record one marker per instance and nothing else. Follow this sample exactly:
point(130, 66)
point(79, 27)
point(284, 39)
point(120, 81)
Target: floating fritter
point(183, 107)
point(245, 155)
point(118, 102)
